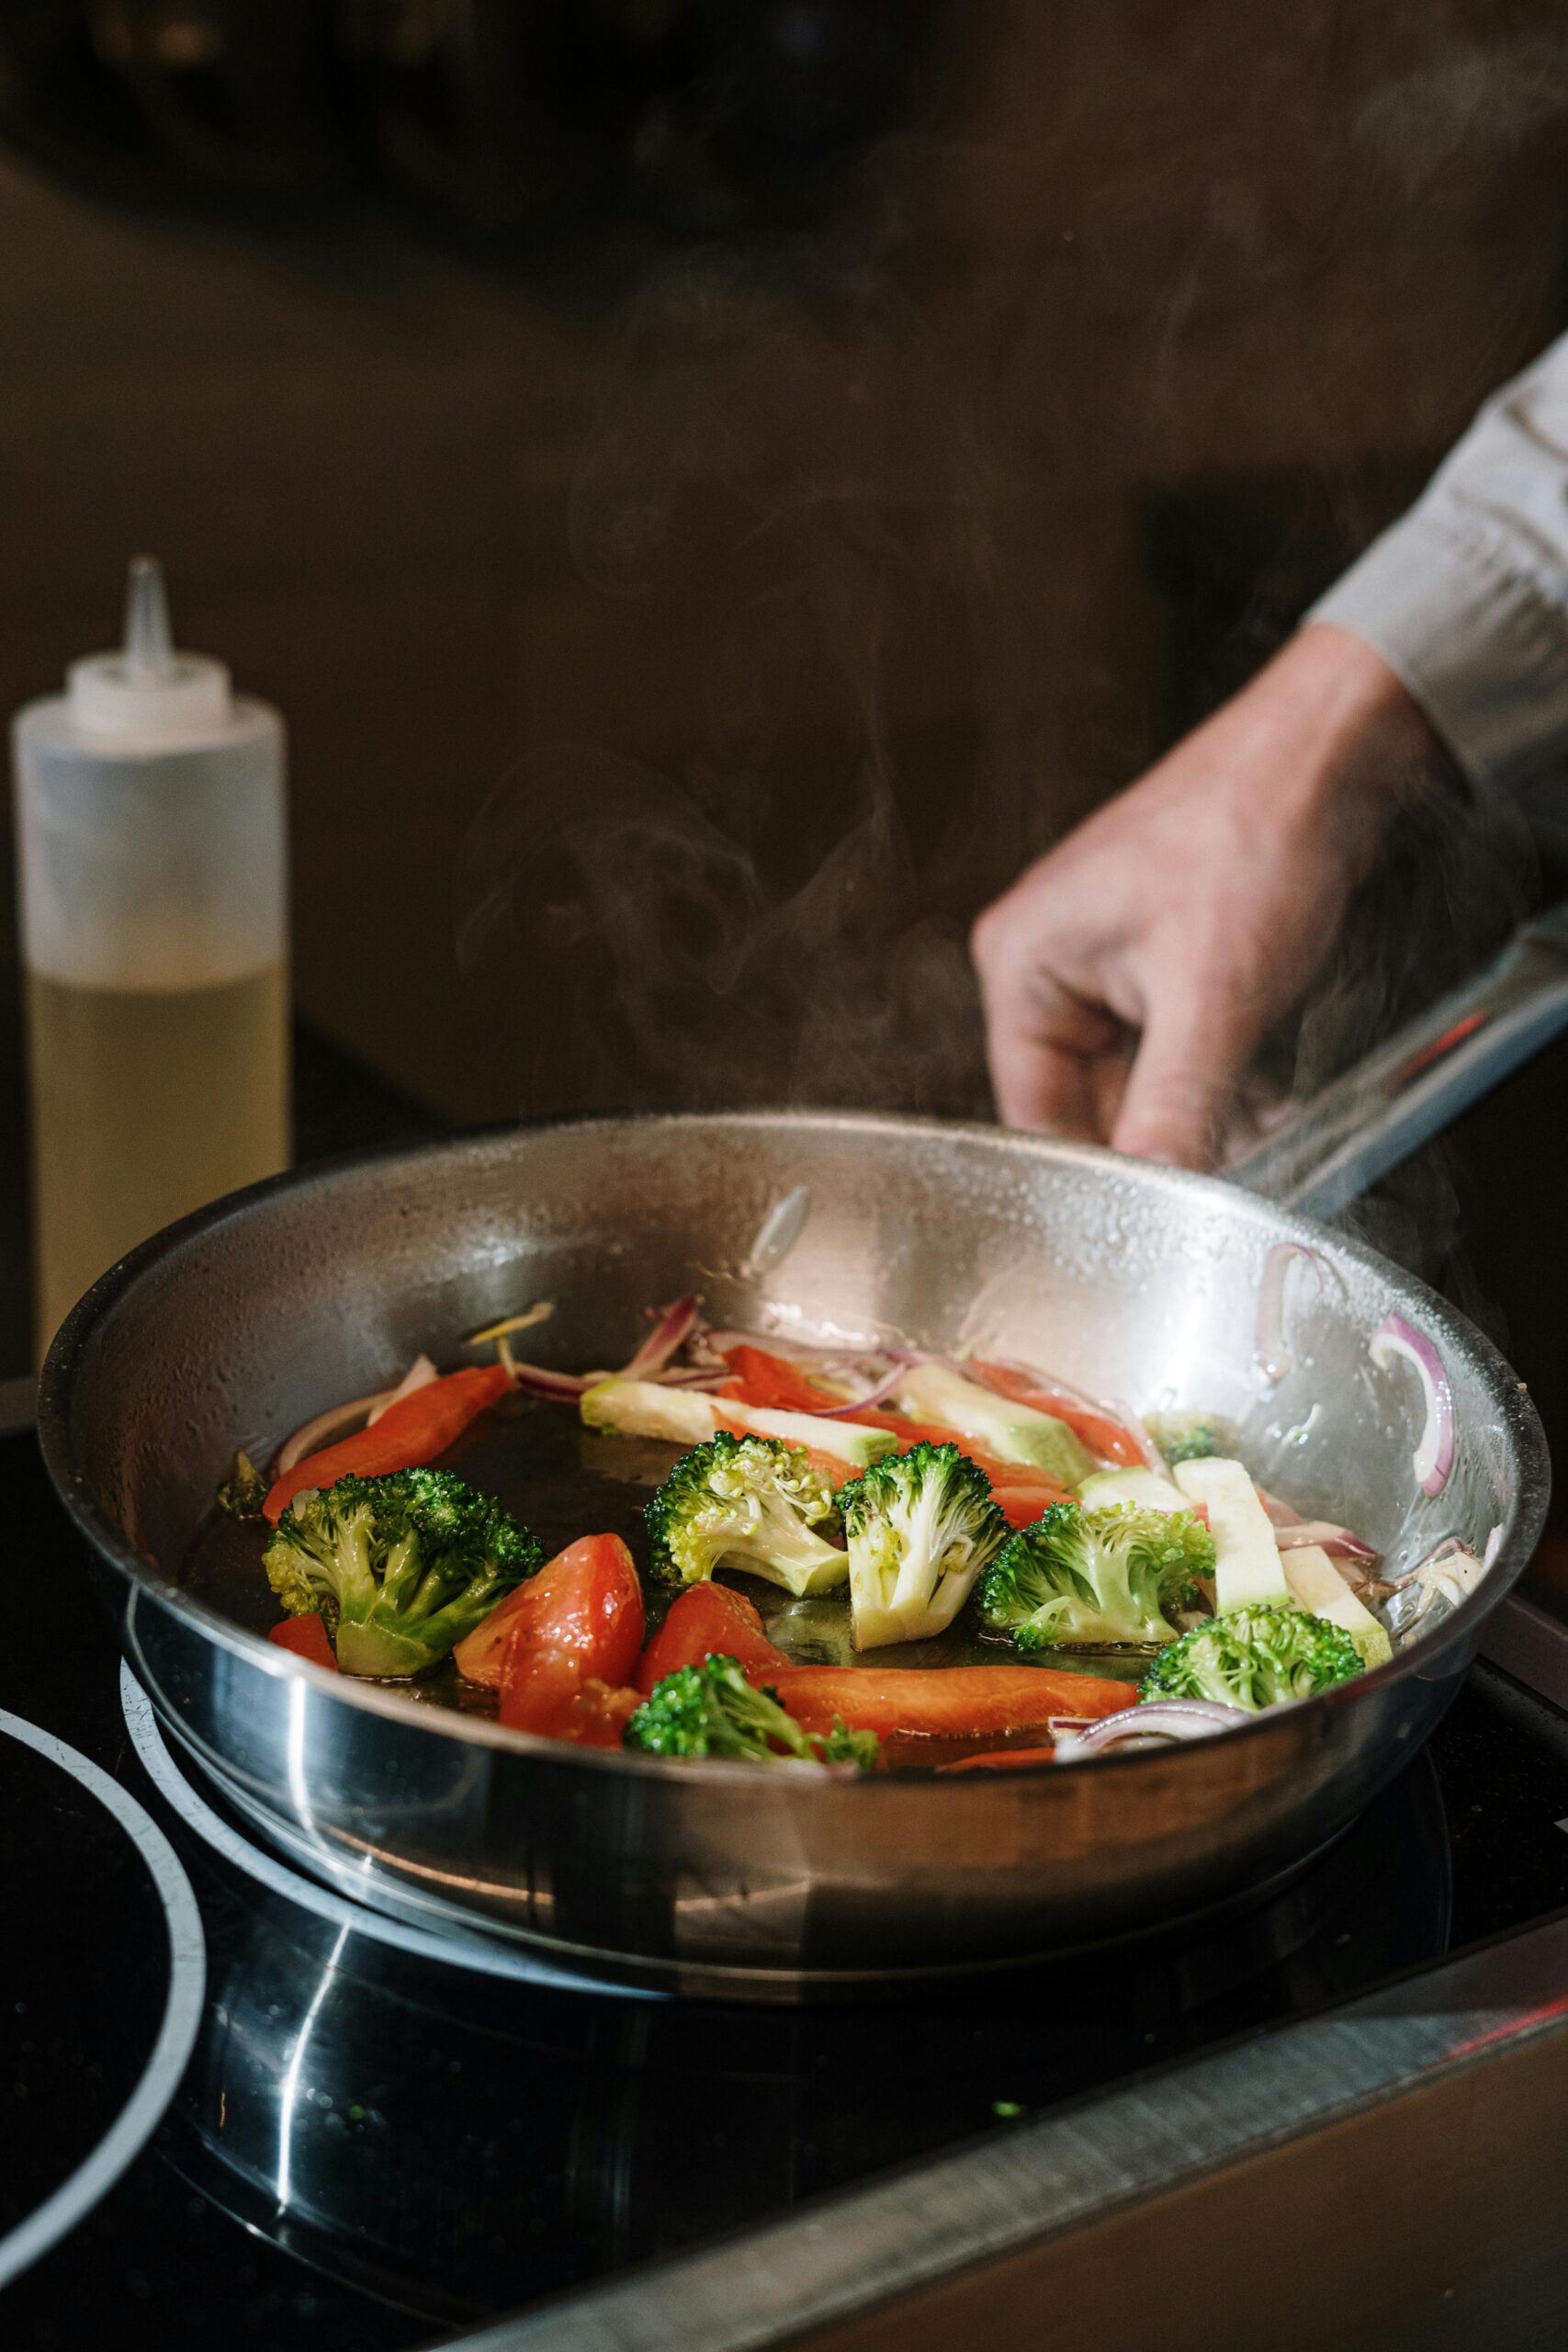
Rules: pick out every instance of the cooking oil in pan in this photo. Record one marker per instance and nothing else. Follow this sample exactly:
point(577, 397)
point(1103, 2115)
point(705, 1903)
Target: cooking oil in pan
point(563, 1481)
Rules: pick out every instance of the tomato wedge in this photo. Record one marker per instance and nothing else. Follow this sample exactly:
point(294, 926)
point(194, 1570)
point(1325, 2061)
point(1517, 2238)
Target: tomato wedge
point(569, 1645)
point(409, 1435)
point(942, 1702)
point(587, 1600)
point(544, 1690)
point(708, 1619)
point(307, 1638)
point(1102, 1435)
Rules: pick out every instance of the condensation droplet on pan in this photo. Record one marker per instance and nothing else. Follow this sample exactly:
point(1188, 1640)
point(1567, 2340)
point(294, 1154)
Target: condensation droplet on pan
point(779, 1232)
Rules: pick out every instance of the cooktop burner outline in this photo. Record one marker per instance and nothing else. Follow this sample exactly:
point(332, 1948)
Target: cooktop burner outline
point(455, 1951)
point(183, 2005)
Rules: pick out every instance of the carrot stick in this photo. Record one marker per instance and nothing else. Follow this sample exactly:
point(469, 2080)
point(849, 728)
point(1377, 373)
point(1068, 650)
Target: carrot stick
point(409, 1435)
point(942, 1702)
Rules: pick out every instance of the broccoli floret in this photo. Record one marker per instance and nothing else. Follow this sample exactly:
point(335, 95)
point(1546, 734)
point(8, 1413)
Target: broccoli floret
point(1190, 1437)
point(401, 1567)
point(241, 1494)
point(1096, 1575)
point(746, 1502)
point(712, 1710)
point(1254, 1658)
point(920, 1528)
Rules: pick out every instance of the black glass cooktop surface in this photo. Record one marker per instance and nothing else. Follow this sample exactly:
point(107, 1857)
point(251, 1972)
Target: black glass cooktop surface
point(238, 2106)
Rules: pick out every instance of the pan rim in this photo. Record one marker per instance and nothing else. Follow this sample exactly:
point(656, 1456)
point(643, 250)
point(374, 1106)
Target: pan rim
point(1522, 1527)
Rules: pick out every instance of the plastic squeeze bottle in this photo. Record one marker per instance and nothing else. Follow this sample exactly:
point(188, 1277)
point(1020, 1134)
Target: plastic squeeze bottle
point(152, 841)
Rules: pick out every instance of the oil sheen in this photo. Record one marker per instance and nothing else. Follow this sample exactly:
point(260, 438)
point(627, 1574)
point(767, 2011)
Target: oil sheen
point(147, 1103)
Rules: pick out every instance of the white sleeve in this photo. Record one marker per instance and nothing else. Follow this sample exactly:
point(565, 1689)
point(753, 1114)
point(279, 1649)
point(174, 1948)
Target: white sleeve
point(1466, 597)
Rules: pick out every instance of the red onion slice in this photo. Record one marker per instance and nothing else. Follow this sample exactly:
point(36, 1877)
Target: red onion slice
point(847, 1412)
point(674, 1328)
point(1337, 1542)
point(313, 1433)
point(1270, 1351)
point(420, 1374)
point(1434, 1455)
point(535, 1380)
point(1154, 1719)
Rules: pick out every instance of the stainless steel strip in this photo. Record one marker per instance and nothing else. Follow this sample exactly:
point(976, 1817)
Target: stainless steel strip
point(1378, 1113)
point(1018, 2189)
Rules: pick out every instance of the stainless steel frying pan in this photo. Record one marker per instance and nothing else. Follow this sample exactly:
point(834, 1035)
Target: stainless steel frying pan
point(1133, 1280)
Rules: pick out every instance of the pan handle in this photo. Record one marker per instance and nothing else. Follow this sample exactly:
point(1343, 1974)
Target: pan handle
point(1409, 1089)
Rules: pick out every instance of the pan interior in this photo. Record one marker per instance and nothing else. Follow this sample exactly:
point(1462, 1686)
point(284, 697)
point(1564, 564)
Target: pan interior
point(1132, 1283)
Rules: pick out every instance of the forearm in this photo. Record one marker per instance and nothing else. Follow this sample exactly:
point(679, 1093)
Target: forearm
point(1466, 597)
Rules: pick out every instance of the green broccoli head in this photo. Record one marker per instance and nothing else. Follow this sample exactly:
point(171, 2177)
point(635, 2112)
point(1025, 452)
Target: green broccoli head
point(712, 1710)
point(920, 1527)
point(1190, 1437)
point(401, 1567)
point(1096, 1575)
point(752, 1503)
point(1254, 1658)
point(241, 1494)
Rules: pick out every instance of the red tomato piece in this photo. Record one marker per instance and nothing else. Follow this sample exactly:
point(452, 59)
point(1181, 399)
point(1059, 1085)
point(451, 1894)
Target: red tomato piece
point(579, 1625)
point(409, 1435)
point(307, 1638)
point(705, 1620)
point(587, 1600)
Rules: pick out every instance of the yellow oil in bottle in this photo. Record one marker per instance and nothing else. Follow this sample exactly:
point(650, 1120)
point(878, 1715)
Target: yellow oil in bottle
point(147, 1103)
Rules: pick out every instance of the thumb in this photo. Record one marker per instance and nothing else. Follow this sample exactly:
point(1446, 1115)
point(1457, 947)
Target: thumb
point(1183, 1078)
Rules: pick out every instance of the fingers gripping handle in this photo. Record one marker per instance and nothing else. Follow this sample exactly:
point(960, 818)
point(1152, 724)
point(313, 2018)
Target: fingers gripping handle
point(1420, 1081)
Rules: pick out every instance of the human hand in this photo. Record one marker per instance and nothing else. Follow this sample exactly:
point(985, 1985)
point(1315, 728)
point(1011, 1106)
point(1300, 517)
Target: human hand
point(1131, 973)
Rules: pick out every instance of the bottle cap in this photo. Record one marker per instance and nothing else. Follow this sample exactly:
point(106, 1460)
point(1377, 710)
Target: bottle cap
point(147, 693)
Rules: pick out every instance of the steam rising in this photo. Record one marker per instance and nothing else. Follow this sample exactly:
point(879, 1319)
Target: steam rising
point(773, 906)
point(653, 962)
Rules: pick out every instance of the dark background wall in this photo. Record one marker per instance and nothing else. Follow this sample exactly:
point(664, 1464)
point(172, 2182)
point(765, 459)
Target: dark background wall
point(702, 553)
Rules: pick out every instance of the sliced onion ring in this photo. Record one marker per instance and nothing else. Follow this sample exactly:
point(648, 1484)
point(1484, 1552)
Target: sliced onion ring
point(1155, 1719)
point(536, 1379)
point(310, 1436)
point(1270, 1351)
point(847, 1412)
point(1434, 1455)
point(675, 1325)
point(420, 1374)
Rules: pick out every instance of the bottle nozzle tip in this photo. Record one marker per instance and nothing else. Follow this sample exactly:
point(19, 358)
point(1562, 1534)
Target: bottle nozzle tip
point(148, 647)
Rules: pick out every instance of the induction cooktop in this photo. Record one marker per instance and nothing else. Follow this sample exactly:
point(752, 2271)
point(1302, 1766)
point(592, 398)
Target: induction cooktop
point(242, 2109)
